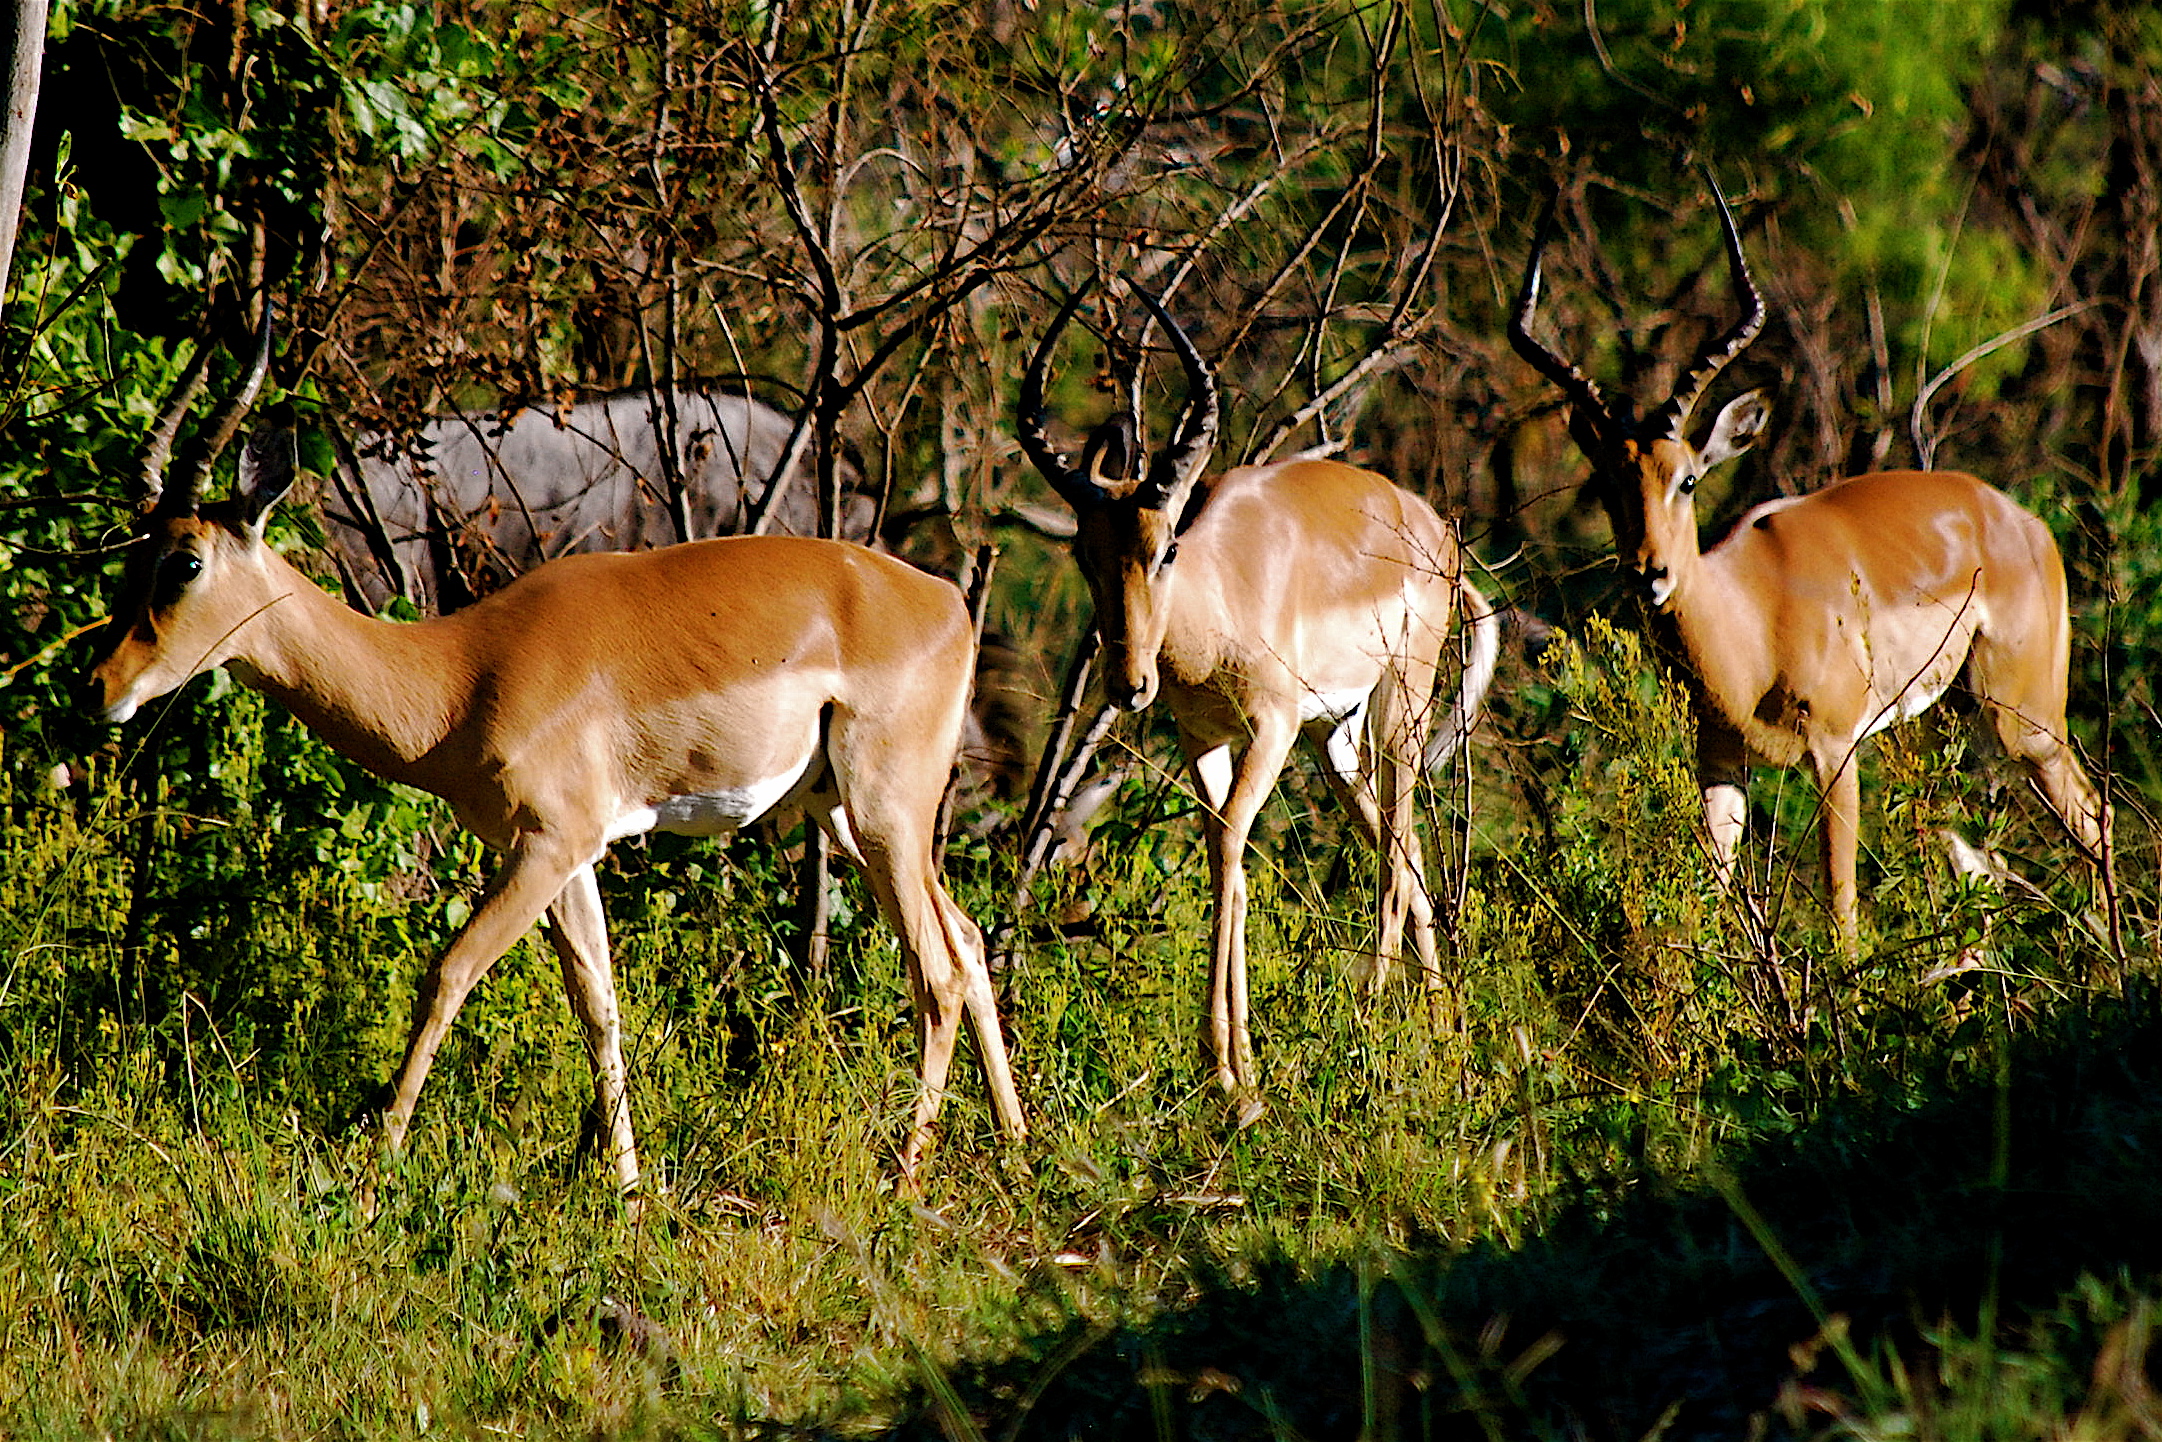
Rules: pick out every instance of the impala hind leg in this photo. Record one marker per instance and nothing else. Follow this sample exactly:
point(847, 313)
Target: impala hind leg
point(981, 997)
point(943, 953)
point(2020, 681)
point(2053, 770)
point(578, 930)
point(946, 973)
point(2055, 773)
point(1342, 765)
point(513, 900)
point(1399, 745)
point(1378, 785)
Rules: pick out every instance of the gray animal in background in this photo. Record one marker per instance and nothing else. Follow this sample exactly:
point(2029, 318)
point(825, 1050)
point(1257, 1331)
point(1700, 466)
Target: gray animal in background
point(464, 503)
point(468, 501)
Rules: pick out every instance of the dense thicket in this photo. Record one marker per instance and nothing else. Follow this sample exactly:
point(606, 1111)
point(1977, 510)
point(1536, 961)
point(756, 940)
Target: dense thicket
point(858, 211)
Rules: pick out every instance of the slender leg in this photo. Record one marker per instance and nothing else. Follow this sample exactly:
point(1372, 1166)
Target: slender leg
point(947, 976)
point(2054, 771)
point(1339, 752)
point(1226, 829)
point(2022, 684)
point(1723, 774)
point(981, 998)
point(1840, 781)
point(578, 931)
point(1399, 746)
point(512, 902)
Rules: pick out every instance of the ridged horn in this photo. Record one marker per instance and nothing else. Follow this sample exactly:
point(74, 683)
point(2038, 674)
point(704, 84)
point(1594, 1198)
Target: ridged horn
point(1582, 390)
point(1181, 463)
point(158, 450)
point(1672, 418)
point(1076, 489)
point(226, 423)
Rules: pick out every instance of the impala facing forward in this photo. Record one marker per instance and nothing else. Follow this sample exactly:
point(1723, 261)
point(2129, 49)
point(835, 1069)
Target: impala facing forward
point(690, 689)
point(1307, 596)
point(1823, 619)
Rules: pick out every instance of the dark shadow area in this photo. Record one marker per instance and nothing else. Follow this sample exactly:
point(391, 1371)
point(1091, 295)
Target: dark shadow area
point(1649, 1307)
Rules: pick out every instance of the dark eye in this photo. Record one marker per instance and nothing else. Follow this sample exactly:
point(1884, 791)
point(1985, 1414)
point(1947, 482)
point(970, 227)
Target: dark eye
point(1688, 486)
point(1171, 553)
point(174, 573)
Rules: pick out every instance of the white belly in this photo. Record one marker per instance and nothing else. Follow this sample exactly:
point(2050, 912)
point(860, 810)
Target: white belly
point(1331, 706)
point(1908, 704)
point(711, 813)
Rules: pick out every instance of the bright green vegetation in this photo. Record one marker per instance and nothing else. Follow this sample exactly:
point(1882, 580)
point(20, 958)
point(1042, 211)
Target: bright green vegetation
point(1653, 1172)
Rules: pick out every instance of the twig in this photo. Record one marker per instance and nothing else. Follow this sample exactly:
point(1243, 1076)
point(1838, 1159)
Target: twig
point(1925, 449)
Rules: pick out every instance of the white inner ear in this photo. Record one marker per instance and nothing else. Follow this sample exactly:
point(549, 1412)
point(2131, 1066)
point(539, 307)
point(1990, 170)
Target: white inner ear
point(265, 476)
point(1740, 422)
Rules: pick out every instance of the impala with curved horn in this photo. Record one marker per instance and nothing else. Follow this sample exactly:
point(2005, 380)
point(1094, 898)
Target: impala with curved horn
point(690, 689)
point(1823, 619)
point(1265, 602)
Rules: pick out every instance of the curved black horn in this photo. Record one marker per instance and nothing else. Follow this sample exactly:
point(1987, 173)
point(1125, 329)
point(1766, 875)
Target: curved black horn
point(1076, 489)
point(1193, 440)
point(158, 451)
point(1583, 392)
point(226, 424)
point(1673, 417)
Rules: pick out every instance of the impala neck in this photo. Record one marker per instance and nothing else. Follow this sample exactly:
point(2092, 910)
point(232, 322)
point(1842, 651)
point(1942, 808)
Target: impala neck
point(381, 693)
point(1716, 621)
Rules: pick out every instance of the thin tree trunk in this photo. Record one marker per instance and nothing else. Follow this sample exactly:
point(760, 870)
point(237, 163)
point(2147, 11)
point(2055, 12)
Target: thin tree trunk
point(25, 58)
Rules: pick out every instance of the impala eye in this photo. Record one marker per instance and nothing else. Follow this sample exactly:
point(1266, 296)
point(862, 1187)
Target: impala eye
point(1687, 486)
point(175, 570)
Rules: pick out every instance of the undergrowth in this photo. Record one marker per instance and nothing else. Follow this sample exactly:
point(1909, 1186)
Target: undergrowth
point(1667, 1179)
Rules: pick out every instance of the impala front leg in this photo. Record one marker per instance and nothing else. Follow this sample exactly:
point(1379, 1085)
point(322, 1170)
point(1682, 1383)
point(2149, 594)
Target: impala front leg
point(578, 930)
point(1840, 781)
point(1723, 776)
point(512, 902)
point(1226, 823)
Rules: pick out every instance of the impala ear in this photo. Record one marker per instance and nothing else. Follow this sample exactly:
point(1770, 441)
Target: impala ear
point(1740, 422)
point(266, 469)
point(1108, 460)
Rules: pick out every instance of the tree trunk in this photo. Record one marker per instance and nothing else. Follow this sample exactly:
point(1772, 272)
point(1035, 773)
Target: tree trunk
point(25, 57)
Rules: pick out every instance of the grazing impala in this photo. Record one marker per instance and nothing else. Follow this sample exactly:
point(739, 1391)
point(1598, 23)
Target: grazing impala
point(1823, 619)
point(689, 689)
point(1307, 596)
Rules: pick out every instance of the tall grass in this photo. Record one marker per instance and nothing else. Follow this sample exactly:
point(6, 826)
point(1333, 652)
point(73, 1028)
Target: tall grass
point(201, 986)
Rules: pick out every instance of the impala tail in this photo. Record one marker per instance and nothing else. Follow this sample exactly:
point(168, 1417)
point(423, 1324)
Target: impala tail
point(1482, 653)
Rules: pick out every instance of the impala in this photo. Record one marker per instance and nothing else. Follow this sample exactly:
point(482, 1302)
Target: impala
point(1306, 597)
point(689, 689)
point(1823, 619)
